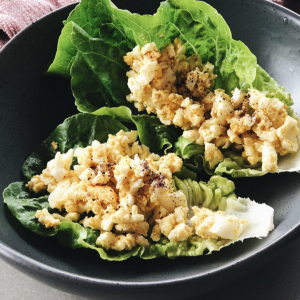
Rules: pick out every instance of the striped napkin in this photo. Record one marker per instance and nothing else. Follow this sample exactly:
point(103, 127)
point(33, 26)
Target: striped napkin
point(17, 14)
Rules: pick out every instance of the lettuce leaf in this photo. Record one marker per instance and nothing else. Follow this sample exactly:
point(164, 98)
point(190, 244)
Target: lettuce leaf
point(185, 173)
point(96, 19)
point(192, 154)
point(212, 195)
point(201, 28)
point(23, 206)
point(97, 34)
point(152, 132)
point(96, 68)
point(234, 164)
point(267, 85)
point(77, 131)
point(81, 130)
point(98, 73)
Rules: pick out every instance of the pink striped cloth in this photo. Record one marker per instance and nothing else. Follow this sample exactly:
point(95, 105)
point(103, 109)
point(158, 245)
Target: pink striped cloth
point(17, 14)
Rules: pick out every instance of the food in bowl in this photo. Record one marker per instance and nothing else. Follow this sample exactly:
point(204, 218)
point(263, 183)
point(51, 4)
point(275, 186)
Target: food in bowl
point(92, 185)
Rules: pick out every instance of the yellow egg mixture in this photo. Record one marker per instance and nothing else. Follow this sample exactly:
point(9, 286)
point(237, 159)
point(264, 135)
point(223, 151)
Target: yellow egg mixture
point(178, 89)
point(130, 194)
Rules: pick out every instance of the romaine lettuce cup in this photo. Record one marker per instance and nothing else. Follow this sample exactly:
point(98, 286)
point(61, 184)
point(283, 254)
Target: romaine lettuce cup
point(79, 131)
point(97, 35)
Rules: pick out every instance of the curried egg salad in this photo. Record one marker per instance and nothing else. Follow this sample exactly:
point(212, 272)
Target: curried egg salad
point(127, 194)
point(178, 89)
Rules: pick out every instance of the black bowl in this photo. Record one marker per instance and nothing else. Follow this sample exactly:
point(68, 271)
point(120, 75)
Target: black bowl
point(32, 105)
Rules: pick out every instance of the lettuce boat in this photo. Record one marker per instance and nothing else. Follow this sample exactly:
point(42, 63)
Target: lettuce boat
point(97, 35)
point(79, 131)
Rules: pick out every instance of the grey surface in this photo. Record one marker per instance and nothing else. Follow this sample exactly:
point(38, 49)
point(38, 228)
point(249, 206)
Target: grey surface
point(29, 102)
point(278, 280)
point(16, 285)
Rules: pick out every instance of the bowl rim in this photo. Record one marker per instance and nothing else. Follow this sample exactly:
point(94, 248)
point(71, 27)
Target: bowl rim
point(11, 256)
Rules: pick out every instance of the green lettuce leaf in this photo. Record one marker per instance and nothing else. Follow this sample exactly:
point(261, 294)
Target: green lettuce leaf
point(23, 205)
point(192, 154)
point(185, 173)
point(75, 236)
point(77, 131)
point(96, 19)
point(235, 165)
point(267, 85)
point(98, 73)
point(97, 35)
point(218, 194)
point(121, 113)
point(96, 67)
point(65, 55)
point(152, 132)
point(212, 195)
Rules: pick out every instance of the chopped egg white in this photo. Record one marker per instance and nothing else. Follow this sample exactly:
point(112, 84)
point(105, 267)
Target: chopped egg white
point(242, 218)
point(213, 155)
point(174, 226)
point(46, 218)
point(210, 224)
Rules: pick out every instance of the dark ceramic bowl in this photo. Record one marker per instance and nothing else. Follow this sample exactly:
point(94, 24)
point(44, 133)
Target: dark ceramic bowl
point(32, 105)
